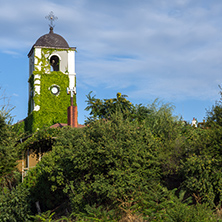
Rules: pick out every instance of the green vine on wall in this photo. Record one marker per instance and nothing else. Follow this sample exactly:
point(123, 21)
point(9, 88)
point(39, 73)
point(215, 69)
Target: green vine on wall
point(53, 108)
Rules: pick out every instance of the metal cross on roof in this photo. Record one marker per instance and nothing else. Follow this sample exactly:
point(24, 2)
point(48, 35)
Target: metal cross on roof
point(51, 17)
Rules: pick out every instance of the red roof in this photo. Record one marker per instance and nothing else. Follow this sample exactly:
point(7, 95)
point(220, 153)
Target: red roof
point(60, 125)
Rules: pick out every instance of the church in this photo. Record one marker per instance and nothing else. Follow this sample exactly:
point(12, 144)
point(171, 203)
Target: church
point(51, 88)
point(51, 77)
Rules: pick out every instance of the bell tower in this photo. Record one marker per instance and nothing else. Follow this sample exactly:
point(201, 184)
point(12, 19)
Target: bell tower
point(51, 72)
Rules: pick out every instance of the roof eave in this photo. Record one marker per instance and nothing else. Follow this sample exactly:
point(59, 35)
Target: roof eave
point(31, 51)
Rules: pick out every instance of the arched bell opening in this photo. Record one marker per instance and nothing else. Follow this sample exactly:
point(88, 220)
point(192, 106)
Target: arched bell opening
point(54, 62)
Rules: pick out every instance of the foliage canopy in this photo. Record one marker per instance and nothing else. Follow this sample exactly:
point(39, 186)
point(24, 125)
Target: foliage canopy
point(130, 162)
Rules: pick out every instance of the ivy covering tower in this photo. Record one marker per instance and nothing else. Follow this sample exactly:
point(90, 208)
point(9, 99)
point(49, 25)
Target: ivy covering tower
point(51, 73)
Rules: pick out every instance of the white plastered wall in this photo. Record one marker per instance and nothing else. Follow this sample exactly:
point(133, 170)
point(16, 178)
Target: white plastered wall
point(71, 68)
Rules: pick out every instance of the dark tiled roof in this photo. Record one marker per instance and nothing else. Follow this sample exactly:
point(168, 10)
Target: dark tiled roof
point(52, 40)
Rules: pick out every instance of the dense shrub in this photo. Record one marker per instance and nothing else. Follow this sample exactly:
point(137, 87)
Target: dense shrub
point(132, 163)
point(15, 204)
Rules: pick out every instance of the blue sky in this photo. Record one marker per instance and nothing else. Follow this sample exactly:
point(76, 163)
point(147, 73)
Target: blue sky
point(146, 49)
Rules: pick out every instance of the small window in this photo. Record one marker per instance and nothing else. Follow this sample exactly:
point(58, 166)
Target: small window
point(54, 62)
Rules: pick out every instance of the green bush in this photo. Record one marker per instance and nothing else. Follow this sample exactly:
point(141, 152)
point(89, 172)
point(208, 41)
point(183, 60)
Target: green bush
point(124, 166)
point(15, 204)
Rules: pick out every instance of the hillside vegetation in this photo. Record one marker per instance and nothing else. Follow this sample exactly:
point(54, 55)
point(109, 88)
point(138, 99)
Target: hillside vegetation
point(129, 163)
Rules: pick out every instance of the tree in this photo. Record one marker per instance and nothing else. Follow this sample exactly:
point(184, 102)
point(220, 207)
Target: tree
point(8, 151)
point(15, 204)
point(158, 115)
point(123, 163)
point(107, 162)
point(116, 166)
point(214, 115)
point(103, 109)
